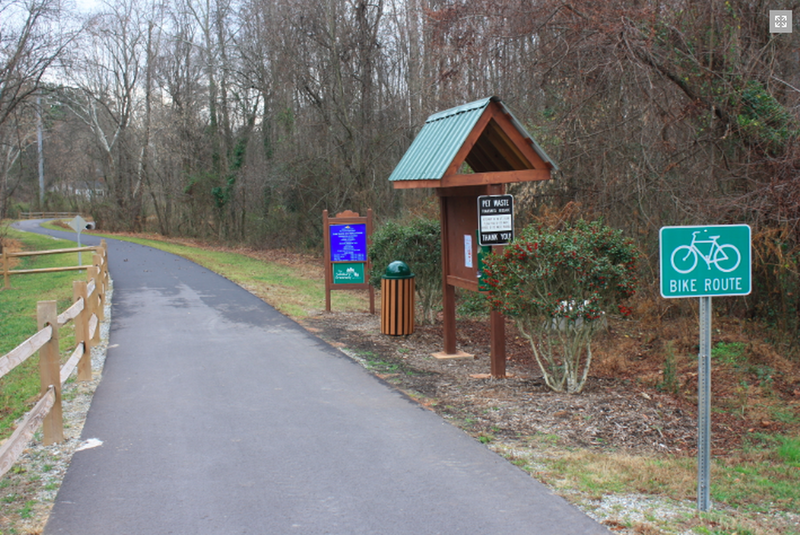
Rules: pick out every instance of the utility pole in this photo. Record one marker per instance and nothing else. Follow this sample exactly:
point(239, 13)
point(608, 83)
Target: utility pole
point(41, 153)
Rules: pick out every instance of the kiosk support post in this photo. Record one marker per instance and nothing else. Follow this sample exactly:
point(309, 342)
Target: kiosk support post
point(497, 323)
point(498, 345)
point(448, 291)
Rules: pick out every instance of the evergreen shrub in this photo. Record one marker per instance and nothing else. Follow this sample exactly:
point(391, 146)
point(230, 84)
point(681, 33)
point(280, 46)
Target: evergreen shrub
point(558, 286)
point(418, 244)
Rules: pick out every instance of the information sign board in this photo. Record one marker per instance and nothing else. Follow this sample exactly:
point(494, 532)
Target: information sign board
point(347, 238)
point(495, 219)
point(348, 273)
point(705, 261)
point(348, 243)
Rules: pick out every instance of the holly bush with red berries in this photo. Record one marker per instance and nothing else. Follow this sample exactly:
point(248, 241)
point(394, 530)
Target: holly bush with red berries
point(558, 285)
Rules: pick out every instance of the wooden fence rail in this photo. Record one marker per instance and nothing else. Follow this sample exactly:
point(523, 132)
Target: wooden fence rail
point(47, 215)
point(87, 313)
point(7, 271)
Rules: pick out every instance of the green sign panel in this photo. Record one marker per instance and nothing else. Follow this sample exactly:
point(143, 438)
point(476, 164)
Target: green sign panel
point(705, 261)
point(348, 273)
point(483, 250)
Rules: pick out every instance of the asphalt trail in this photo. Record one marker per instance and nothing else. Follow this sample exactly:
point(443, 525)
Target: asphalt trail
point(218, 415)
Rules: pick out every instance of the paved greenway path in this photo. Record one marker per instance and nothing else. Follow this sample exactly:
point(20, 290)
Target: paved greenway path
point(218, 415)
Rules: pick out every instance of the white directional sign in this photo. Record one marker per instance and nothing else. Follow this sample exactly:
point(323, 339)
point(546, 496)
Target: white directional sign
point(78, 224)
point(495, 219)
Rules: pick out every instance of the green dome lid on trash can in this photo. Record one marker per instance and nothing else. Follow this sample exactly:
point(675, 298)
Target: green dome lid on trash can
point(398, 270)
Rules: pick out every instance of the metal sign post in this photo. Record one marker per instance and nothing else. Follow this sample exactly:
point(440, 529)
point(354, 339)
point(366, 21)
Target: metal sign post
point(704, 408)
point(702, 262)
point(78, 224)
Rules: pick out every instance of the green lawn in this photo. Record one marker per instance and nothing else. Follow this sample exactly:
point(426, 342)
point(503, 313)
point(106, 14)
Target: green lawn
point(19, 390)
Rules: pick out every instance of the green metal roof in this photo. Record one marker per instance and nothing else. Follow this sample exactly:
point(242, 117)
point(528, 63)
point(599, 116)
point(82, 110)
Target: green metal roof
point(440, 139)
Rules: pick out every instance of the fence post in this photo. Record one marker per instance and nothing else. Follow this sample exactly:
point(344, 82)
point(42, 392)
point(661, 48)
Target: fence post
point(99, 282)
point(104, 272)
point(50, 371)
point(94, 300)
point(5, 268)
point(82, 331)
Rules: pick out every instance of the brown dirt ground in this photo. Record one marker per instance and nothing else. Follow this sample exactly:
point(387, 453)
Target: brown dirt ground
point(623, 407)
point(11, 246)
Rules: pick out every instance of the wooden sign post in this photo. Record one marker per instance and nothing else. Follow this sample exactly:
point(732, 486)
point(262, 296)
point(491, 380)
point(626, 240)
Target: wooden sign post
point(460, 252)
point(347, 238)
point(466, 153)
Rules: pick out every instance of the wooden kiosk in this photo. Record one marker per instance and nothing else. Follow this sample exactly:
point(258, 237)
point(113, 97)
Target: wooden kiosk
point(471, 150)
point(347, 237)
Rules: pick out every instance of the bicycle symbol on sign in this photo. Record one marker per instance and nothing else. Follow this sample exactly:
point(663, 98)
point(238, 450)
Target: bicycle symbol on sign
point(725, 257)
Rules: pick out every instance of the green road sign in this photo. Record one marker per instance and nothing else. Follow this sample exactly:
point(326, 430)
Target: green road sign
point(483, 251)
point(705, 261)
point(348, 273)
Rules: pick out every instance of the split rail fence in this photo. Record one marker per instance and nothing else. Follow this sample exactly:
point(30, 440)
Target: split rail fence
point(87, 314)
point(47, 215)
point(7, 272)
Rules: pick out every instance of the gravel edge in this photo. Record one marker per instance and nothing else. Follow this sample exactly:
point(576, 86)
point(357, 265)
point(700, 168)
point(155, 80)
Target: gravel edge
point(46, 466)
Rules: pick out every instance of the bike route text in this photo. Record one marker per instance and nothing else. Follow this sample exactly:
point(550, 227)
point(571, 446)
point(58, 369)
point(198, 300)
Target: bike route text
point(716, 285)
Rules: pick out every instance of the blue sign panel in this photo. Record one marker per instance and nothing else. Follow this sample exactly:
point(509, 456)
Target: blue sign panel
point(349, 243)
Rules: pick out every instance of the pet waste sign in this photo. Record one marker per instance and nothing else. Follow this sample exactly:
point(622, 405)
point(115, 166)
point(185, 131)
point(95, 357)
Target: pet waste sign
point(495, 219)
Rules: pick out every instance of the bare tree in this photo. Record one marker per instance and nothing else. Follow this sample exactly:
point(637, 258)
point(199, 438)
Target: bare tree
point(105, 74)
point(241, 120)
point(31, 41)
point(16, 135)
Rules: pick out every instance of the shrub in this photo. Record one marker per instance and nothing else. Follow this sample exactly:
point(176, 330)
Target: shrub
point(558, 285)
point(418, 244)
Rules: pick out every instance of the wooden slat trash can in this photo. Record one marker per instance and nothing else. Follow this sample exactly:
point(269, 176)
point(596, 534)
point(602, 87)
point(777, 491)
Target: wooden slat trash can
point(397, 300)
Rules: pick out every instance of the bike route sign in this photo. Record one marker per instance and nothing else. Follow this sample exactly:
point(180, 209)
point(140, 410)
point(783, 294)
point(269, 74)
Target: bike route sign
point(705, 261)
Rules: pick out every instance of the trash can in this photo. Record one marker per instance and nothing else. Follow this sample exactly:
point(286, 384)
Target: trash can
point(397, 300)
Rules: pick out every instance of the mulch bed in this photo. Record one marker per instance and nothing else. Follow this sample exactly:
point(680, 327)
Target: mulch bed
point(620, 412)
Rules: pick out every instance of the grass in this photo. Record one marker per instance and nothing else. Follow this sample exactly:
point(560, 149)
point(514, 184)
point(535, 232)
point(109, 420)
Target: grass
point(762, 480)
point(789, 451)
point(746, 487)
point(731, 353)
point(19, 389)
point(600, 473)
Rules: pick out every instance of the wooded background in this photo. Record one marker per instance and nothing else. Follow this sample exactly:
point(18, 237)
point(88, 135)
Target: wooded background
point(242, 120)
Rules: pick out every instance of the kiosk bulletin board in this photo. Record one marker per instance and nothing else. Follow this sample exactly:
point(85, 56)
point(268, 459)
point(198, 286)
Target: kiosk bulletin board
point(347, 238)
